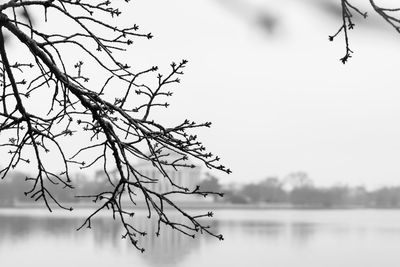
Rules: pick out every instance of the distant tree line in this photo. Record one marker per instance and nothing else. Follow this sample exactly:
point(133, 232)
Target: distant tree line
point(298, 190)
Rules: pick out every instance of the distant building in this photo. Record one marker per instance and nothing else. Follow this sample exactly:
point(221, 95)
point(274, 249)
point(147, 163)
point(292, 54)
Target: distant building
point(185, 177)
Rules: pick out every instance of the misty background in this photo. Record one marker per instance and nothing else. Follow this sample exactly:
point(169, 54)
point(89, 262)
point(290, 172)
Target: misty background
point(280, 100)
point(267, 77)
point(313, 144)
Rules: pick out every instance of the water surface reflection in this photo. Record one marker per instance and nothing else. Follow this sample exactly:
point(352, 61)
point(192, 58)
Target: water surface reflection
point(255, 238)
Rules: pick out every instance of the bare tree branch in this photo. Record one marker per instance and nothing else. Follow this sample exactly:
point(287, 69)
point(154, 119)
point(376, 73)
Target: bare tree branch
point(123, 132)
point(349, 10)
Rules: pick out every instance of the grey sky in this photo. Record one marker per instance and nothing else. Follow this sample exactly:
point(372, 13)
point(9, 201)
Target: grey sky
point(280, 100)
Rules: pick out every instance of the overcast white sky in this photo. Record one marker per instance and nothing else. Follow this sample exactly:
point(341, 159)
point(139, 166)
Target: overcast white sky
point(280, 100)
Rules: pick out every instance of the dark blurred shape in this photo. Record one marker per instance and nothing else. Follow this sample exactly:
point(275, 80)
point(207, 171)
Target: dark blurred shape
point(266, 21)
point(6, 37)
point(329, 7)
point(27, 15)
point(259, 16)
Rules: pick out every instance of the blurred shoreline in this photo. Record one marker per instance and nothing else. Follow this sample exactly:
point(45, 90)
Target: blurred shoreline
point(205, 206)
point(297, 191)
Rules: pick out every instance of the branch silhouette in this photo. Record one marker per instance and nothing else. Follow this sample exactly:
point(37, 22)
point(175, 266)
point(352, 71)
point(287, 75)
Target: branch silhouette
point(348, 10)
point(120, 132)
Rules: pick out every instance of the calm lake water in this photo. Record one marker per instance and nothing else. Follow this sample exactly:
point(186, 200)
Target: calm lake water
point(301, 238)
